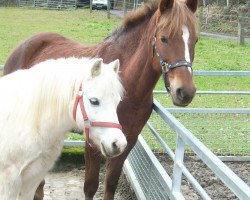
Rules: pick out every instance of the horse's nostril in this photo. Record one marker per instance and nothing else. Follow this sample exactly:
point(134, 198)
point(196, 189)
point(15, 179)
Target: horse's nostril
point(180, 94)
point(183, 95)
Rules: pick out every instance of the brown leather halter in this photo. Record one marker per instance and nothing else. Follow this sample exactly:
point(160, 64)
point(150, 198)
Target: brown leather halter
point(87, 123)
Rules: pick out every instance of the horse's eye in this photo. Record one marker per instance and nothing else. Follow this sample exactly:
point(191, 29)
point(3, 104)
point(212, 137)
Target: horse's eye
point(164, 39)
point(94, 101)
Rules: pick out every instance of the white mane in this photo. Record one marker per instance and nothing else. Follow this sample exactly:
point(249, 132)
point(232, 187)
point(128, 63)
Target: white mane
point(48, 87)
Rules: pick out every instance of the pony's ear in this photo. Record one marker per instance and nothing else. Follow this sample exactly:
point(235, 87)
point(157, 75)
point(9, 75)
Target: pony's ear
point(96, 68)
point(116, 65)
point(165, 4)
point(192, 5)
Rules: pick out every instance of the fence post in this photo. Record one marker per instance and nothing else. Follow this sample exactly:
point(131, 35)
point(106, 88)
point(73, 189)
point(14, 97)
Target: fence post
point(200, 18)
point(108, 9)
point(124, 7)
point(177, 171)
point(90, 6)
point(241, 39)
point(207, 14)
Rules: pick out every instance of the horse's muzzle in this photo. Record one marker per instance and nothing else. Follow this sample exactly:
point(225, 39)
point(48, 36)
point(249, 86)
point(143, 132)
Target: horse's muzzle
point(183, 96)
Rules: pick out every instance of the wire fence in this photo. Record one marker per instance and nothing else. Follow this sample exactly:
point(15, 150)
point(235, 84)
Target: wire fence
point(49, 4)
point(224, 20)
point(226, 3)
point(229, 18)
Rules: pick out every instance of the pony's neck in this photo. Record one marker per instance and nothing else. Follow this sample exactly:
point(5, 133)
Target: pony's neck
point(138, 75)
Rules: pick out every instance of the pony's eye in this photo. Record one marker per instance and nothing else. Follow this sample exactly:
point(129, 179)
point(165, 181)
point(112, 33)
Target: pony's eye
point(164, 39)
point(94, 101)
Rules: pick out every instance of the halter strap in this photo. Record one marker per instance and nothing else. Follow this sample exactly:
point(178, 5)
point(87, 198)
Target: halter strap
point(164, 65)
point(87, 123)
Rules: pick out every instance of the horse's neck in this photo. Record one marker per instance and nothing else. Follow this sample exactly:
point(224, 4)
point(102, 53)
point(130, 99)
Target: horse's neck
point(138, 75)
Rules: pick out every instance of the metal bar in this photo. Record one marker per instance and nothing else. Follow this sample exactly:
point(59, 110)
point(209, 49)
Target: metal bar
point(227, 176)
point(177, 172)
point(210, 110)
point(161, 141)
point(128, 170)
point(159, 170)
point(74, 143)
point(209, 92)
point(185, 171)
point(148, 170)
point(222, 73)
point(224, 92)
point(228, 158)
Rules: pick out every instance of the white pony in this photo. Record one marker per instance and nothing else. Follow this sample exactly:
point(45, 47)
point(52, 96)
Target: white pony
point(40, 104)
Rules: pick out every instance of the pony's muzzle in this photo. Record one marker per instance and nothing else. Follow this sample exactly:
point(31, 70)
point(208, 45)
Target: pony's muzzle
point(115, 146)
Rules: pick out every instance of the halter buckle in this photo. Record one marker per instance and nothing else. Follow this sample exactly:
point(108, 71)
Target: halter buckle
point(164, 66)
point(87, 123)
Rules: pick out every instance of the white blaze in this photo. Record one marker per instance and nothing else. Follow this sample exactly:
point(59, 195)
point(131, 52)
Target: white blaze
point(185, 36)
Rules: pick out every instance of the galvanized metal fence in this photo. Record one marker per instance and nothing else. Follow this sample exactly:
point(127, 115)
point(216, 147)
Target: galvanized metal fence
point(202, 133)
point(151, 179)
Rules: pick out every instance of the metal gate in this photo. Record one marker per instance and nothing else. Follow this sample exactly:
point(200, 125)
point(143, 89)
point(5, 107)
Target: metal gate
point(50, 4)
point(153, 182)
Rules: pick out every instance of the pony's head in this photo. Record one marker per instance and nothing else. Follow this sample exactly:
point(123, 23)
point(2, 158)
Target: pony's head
point(101, 94)
point(174, 39)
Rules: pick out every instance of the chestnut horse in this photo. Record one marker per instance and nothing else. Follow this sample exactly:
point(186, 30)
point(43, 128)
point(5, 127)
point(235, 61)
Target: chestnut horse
point(158, 38)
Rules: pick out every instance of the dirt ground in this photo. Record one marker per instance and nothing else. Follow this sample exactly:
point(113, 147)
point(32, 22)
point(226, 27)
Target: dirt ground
point(212, 185)
point(66, 181)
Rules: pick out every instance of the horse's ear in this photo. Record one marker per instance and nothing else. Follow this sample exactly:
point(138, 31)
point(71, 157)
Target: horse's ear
point(116, 65)
point(165, 4)
point(192, 5)
point(96, 68)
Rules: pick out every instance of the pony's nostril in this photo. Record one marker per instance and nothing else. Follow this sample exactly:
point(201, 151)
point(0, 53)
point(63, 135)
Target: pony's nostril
point(114, 144)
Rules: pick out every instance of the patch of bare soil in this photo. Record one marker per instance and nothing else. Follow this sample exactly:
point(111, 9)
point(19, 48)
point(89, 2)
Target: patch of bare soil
point(66, 180)
point(213, 185)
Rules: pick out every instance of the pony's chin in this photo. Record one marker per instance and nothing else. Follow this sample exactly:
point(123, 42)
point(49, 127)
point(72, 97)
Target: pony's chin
point(107, 154)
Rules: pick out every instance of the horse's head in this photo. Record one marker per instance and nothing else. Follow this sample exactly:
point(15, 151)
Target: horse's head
point(102, 93)
point(173, 44)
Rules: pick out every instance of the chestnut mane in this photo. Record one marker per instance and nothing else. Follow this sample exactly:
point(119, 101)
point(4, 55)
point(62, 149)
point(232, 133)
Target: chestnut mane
point(173, 18)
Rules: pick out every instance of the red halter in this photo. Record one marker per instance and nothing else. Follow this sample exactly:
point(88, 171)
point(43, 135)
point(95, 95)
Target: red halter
point(79, 100)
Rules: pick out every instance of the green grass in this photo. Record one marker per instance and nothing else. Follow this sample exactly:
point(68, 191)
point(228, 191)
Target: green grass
point(18, 24)
point(224, 134)
point(90, 28)
point(215, 54)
